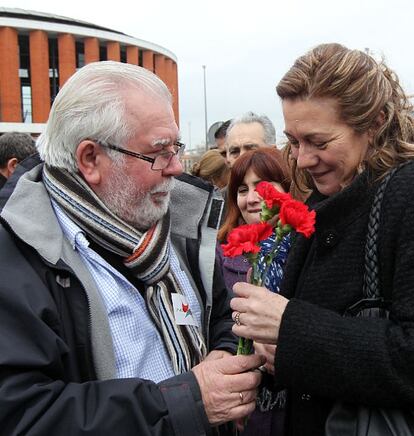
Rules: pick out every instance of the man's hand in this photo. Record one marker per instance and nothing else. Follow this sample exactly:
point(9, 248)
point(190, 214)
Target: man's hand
point(228, 386)
point(217, 354)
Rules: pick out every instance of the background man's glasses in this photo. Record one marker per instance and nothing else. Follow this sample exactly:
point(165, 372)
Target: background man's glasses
point(159, 162)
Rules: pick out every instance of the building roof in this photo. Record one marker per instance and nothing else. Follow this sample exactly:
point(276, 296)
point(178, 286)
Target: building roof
point(23, 18)
point(43, 16)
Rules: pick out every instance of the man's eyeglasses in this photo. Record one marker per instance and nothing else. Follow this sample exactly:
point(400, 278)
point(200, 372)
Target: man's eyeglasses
point(159, 162)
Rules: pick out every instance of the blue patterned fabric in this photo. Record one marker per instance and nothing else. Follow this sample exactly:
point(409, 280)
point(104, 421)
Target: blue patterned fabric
point(235, 268)
point(275, 273)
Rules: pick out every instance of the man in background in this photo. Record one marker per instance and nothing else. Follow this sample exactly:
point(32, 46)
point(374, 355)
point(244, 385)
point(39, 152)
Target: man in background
point(248, 132)
point(14, 147)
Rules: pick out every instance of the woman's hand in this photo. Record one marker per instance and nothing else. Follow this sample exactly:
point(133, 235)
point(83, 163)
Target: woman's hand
point(268, 351)
point(260, 311)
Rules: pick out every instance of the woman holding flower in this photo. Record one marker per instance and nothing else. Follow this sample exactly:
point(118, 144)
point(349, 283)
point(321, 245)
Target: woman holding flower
point(349, 125)
point(244, 206)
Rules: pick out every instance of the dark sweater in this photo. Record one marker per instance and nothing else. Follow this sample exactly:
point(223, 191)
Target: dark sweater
point(322, 356)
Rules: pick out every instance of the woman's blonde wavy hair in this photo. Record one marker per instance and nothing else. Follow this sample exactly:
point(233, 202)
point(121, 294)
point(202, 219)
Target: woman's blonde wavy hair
point(213, 168)
point(365, 90)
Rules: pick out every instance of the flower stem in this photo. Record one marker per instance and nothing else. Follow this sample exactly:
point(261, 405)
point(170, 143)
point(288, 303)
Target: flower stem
point(245, 346)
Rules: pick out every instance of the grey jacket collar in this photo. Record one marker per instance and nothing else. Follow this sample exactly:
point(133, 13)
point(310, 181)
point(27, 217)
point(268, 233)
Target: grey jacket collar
point(30, 199)
point(196, 209)
point(30, 216)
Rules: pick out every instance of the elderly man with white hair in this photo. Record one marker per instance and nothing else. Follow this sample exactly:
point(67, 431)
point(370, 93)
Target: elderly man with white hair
point(114, 320)
point(248, 132)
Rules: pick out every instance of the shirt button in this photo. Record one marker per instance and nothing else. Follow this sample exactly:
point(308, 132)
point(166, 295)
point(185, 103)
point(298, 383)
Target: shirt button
point(305, 397)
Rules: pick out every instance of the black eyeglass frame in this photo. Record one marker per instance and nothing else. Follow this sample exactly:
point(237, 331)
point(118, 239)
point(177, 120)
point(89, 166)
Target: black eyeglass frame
point(151, 160)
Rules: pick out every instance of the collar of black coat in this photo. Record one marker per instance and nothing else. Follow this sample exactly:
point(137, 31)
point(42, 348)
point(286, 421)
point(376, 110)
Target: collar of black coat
point(341, 209)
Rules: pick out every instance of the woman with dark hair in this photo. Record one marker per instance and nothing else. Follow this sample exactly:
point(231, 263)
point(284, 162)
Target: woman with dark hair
point(244, 207)
point(351, 133)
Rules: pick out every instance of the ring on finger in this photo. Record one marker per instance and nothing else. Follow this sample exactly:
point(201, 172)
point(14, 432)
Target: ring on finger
point(241, 397)
point(237, 318)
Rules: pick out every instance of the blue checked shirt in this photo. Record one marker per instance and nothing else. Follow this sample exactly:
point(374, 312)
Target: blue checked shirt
point(139, 348)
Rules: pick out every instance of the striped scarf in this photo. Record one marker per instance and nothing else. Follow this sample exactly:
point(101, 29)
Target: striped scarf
point(146, 254)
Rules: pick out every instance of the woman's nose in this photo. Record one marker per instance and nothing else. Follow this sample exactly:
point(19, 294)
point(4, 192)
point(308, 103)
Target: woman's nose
point(305, 157)
point(252, 196)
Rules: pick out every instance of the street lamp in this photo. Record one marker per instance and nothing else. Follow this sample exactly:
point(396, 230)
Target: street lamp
point(205, 105)
point(189, 135)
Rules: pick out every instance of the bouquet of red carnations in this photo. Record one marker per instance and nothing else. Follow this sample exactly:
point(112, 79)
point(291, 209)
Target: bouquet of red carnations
point(280, 214)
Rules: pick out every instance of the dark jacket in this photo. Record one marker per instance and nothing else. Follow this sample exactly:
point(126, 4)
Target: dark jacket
point(234, 269)
point(56, 354)
point(3, 180)
point(321, 355)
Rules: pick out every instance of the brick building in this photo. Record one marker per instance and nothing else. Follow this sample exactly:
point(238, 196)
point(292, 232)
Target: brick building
point(39, 52)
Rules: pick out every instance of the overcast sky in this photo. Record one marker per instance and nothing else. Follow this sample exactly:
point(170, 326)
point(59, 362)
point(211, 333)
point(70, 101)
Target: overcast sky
point(247, 46)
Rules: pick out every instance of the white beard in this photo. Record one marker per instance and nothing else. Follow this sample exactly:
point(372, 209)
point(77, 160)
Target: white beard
point(124, 198)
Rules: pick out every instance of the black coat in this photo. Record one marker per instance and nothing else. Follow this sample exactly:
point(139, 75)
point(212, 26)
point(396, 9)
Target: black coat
point(321, 355)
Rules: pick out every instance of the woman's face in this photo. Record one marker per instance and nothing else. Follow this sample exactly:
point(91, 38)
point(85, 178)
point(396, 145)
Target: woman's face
point(248, 200)
point(323, 145)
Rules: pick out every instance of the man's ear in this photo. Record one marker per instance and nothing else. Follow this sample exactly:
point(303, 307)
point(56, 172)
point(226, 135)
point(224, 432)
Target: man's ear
point(11, 166)
point(90, 156)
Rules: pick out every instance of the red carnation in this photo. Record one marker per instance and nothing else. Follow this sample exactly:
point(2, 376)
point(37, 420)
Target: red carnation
point(298, 216)
point(271, 196)
point(246, 238)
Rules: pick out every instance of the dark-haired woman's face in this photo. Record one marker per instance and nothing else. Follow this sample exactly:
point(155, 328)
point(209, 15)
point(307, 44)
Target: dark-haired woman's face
point(323, 145)
point(248, 200)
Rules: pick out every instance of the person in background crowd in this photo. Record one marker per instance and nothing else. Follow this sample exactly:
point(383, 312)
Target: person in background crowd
point(113, 320)
point(244, 207)
point(14, 147)
point(220, 138)
point(248, 132)
point(212, 167)
point(349, 124)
